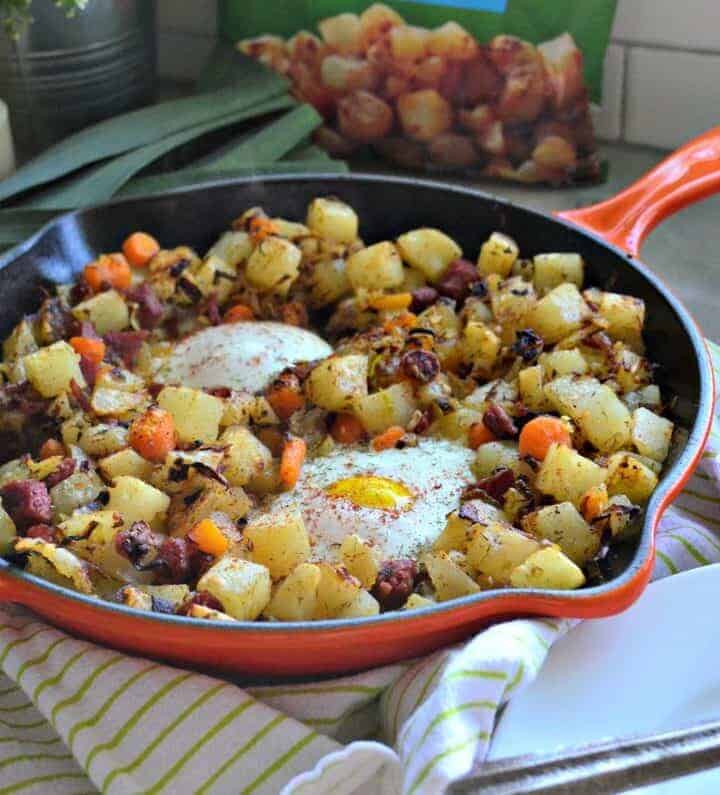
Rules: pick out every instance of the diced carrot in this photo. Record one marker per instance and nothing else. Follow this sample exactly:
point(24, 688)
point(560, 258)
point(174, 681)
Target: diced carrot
point(91, 349)
point(108, 270)
point(285, 401)
point(140, 248)
point(152, 435)
point(238, 313)
point(261, 227)
point(392, 302)
point(537, 436)
point(291, 461)
point(479, 434)
point(50, 448)
point(347, 429)
point(593, 502)
point(388, 439)
point(405, 320)
point(209, 538)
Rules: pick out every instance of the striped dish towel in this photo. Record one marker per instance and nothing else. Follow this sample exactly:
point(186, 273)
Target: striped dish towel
point(76, 718)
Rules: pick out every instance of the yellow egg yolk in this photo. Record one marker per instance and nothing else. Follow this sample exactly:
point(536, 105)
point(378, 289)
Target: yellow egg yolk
point(371, 491)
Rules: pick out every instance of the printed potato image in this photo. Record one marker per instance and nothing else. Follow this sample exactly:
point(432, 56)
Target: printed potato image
point(439, 99)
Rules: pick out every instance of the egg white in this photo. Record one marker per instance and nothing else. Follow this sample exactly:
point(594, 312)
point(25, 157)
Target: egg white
point(435, 472)
point(243, 356)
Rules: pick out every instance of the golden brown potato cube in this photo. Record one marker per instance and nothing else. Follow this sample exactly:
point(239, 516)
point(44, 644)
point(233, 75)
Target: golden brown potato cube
point(417, 602)
point(295, 598)
point(329, 281)
point(364, 117)
point(511, 301)
point(342, 33)
point(651, 434)
point(363, 604)
point(559, 313)
point(496, 549)
point(452, 41)
point(480, 345)
point(548, 568)
point(376, 20)
point(361, 559)
point(376, 267)
point(333, 220)
point(562, 362)
point(493, 455)
point(336, 591)
point(448, 578)
point(553, 153)
point(563, 525)
point(274, 265)
point(428, 250)
point(424, 114)
point(50, 370)
point(338, 382)
point(394, 405)
point(530, 385)
point(279, 541)
point(125, 462)
point(497, 255)
point(551, 270)
point(196, 414)
point(408, 42)
point(629, 476)
point(567, 475)
point(243, 588)
point(246, 457)
point(344, 73)
point(136, 500)
point(456, 424)
point(625, 315)
point(106, 311)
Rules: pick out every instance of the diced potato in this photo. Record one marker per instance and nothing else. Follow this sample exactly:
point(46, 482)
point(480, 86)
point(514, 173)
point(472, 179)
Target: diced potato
point(562, 362)
point(429, 251)
point(424, 114)
point(213, 275)
point(62, 560)
point(119, 378)
point(246, 456)
point(567, 475)
point(274, 265)
point(375, 20)
point(200, 611)
point(50, 370)
point(408, 42)
point(75, 491)
point(394, 405)
point(17, 469)
point(530, 385)
point(448, 578)
point(338, 382)
point(361, 559)
point(196, 414)
point(456, 424)
point(332, 219)
point(115, 403)
point(498, 255)
point(459, 530)
point(551, 270)
point(452, 41)
point(329, 281)
point(441, 319)
point(125, 462)
point(242, 587)
point(621, 516)
point(377, 267)
point(559, 313)
point(417, 602)
point(295, 598)
point(20, 342)
point(511, 300)
point(136, 500)
point(599, 413)
point(364, 604)
point(480, 345)
point(563, 525)
point(101, 439)
point(493, 455)
point(342, 33)
point(232, 248)
point(625, 315)
point(106, 311)
point(135, 598)
point(651, 434)
point(216, 502)
point(8, 531)
point(337, 590)
point(629, 369)
point(290, 230)
point(548, 568)
point(279, 541)
point(103, 525)
point(496, 549)
point(629, 476)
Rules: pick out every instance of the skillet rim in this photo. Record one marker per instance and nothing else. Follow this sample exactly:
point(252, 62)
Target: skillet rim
point(656, 506)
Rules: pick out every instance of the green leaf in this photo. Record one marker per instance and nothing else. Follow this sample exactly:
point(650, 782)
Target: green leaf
point(143, 127)
point(106, 179)
point(17, 225)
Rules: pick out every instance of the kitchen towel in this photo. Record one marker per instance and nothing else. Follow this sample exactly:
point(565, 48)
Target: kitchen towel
point(77, 718)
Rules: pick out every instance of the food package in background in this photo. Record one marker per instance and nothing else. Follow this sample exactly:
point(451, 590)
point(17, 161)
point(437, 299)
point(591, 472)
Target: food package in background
point(438, 97)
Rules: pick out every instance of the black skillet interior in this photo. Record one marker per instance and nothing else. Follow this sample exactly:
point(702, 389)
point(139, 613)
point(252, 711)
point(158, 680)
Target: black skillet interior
point(387, 207)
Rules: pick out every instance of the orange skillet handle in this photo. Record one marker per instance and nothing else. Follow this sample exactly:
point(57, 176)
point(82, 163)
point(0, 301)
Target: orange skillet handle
point(8, 588)
point(686, 176)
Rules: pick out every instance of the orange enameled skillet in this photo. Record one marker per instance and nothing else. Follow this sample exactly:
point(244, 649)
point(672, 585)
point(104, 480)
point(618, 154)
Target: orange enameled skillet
point(607, 235)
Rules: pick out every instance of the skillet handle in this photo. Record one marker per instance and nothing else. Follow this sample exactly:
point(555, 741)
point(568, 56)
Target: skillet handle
point(8, 585)
point(686, 176)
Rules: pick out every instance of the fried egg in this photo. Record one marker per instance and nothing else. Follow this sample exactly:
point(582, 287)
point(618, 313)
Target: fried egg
point(243, 356)
point(398, 499)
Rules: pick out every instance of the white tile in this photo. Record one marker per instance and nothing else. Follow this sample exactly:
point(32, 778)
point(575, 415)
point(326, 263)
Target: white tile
point(671, 96)
point(187, 16)
point(607, 118)
point(688, 24)
point(182, 56)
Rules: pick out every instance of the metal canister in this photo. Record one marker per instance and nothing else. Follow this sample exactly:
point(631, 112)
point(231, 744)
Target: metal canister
point(64, 73)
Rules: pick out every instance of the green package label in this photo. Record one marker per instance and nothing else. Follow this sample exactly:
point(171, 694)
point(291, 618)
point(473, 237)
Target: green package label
point(589, 22)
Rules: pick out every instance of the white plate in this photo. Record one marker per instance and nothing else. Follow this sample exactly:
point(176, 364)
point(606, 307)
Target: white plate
point(653, 668)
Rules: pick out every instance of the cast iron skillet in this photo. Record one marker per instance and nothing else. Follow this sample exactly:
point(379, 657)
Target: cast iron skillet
point(387, 207)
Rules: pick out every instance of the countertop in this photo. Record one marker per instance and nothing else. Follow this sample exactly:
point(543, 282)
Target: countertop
point(684, 250)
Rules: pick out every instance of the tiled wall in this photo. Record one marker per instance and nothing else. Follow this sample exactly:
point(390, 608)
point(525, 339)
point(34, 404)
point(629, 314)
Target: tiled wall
point(662, 73)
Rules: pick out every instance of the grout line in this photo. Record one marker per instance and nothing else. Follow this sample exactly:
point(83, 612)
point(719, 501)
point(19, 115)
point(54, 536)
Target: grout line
point(665, 47)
